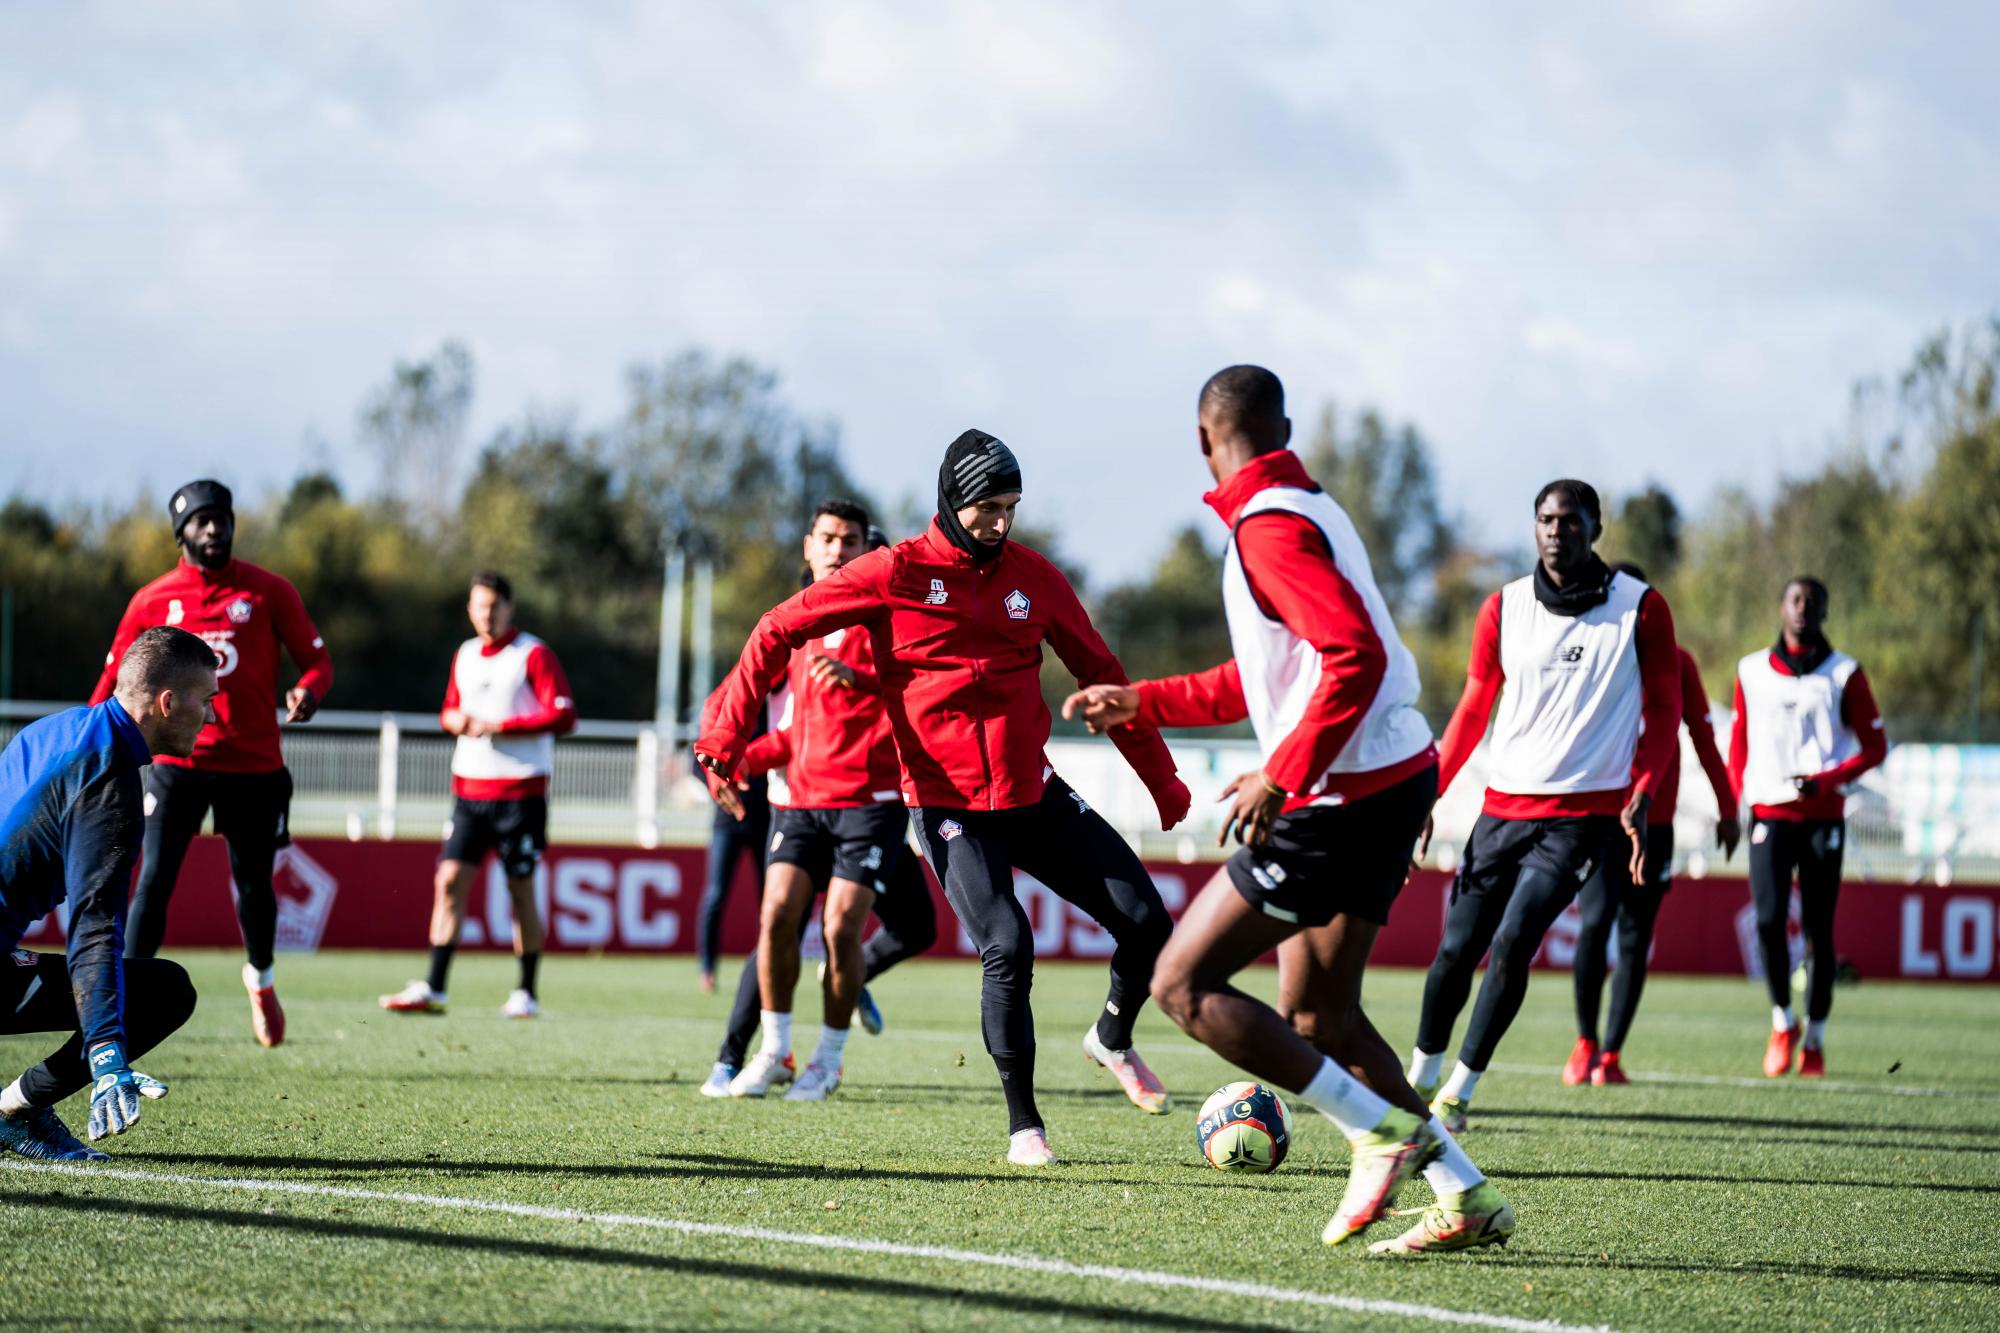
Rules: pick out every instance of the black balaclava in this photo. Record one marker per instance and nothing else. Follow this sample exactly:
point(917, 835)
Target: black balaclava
point(203, 494)
point(976, 467)
point(1589, 587)
point(1816, 650)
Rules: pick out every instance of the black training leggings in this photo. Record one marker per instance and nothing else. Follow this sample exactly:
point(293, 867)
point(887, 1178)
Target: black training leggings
point(1066, 845)
point(1517, 877)
point(251, 813)
point(158, 999)
point(1610, 897)
point(1811, 849)
point(907, 925)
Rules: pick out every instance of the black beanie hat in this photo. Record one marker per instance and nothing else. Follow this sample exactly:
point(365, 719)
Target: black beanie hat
point(976, 466)
point(204, 494)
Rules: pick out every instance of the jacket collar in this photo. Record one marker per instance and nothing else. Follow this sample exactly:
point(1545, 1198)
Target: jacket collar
point(1280, 467)
point(941, 547)
point(494, 648)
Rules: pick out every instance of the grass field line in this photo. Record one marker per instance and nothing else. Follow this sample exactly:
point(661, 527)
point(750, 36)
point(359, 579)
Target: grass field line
point(1786, 1084)
point(1136, 1277)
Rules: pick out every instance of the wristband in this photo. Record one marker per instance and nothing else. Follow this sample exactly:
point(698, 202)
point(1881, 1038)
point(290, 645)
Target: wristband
point(1272, 787)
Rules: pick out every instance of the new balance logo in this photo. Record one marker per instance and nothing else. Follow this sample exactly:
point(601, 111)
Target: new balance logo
point(1570, 655)
point(936, 596)
point(1082, 806)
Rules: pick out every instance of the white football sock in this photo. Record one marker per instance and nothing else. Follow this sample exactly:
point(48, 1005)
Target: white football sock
point(256, 978)
point(1815, 1033)
point(832, 1045)
point(777, 1029)
point(1453, 1172)
point(1781, 1018)
point(12, 1100)
point(1348, 1103)
point(1424, 1068)
point(1463, 1080)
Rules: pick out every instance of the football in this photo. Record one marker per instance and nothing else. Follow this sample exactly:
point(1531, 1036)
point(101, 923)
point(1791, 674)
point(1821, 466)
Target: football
point(1244, 1127)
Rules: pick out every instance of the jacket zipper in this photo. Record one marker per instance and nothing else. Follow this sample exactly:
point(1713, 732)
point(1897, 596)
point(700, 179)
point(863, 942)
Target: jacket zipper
point(979, 713)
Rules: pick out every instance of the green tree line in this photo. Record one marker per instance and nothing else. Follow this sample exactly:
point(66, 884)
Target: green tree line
point(1902, 522)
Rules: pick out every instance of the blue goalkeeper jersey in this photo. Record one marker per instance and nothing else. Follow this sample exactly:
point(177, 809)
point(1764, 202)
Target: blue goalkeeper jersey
point(70, 827)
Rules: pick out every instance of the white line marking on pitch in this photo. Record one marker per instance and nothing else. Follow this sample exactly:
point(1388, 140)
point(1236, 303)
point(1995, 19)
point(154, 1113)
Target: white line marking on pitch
point(1788, 1085)
point(1137, 1277)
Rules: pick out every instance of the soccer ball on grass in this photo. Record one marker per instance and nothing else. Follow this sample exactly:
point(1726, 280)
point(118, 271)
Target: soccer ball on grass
point(1244, 1127)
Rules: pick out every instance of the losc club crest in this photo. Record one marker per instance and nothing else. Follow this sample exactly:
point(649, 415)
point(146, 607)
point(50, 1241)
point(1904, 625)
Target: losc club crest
point(1017, 605)
point(238, 611)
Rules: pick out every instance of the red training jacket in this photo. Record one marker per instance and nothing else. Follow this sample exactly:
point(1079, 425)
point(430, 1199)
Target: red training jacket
point(246, 614)
point(1295, 579)
point(1659, 713)
point(1701, 730)
point(1863, 718)
point(836, 747)
point(958, 651)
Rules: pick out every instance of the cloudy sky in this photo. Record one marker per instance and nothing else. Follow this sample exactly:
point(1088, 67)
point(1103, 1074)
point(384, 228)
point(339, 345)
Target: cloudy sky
point(1628, 241)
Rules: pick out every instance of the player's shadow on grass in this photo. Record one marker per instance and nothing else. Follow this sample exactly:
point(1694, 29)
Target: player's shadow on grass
point(1805, 1270)
point(1987, 1131)
point(760, 1274)
point(1790, 1182)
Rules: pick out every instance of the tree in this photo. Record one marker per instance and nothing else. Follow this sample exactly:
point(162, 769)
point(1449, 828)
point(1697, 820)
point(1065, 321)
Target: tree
point(416, 424)
point(1647, 531)
point(1172, 621)
point(1384, 479)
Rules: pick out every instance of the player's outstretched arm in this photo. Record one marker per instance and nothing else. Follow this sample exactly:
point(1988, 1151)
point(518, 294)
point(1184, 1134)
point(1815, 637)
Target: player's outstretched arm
point(852, 595)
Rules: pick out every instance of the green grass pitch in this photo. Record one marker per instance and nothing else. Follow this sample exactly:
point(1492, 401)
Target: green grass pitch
point(1872, 1201)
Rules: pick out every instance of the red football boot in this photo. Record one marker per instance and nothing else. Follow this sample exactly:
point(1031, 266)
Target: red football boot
point(1582, 1059)
point(1778, 1054)
point(1812, 1062)
point(1607, 1072)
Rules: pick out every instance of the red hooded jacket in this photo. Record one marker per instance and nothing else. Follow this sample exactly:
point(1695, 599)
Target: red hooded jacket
point(958, 651)
point(832, 740)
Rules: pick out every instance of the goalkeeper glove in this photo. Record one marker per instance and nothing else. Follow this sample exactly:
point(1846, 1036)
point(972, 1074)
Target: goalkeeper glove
point(114, 1093)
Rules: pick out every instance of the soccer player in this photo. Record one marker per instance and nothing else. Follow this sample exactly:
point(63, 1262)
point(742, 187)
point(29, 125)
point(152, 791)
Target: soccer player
point(247, 615)
point(957, 618)
point(1582, 664)
point(1636, 906)
point(1327, 825)
point(1806, 726)
point(506, 700)
point(836, 825)
point(70, 825)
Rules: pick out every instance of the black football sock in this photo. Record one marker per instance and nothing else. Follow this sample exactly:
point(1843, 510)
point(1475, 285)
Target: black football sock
point(530, 964)
point(441, 965)
point(1017, 1081)
point(1114, 1023)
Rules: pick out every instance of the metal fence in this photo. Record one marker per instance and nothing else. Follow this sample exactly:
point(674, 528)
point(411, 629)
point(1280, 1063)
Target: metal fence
point(1931, 812)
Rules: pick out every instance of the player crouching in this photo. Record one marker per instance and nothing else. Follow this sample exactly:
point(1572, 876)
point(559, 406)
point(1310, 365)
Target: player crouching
point(70, 827)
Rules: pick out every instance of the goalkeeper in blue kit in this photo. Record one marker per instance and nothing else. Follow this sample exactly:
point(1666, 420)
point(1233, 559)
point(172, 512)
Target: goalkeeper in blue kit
point(70, 828)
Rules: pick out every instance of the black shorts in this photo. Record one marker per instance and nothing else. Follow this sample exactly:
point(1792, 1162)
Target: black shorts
point(1567, 847)
point(253, 811)
point(1328, 860)
point(518, 830)
point(859, 843)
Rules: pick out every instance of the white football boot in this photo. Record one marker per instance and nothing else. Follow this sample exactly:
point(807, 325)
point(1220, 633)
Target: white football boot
point(1030, 1147)
point(415, 998)
point(815, 1084)
point(761, 1075)
point(717, 1084)
point(520, 1005)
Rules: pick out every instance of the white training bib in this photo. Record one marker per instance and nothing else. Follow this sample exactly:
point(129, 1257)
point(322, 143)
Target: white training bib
point(1280, 671)
point(1792, 724)
point(495, 689)
point(1569, 711)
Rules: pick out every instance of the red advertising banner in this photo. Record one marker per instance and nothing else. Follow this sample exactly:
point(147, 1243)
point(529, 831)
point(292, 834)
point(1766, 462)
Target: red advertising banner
point(376, 895)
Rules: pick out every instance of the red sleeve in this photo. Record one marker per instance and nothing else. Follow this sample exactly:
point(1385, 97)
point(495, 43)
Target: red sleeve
point(129, 628)
point(1739, 747)
point(1483, 678)
point(1292, 571)
point(771, 750)
point(302, 641)
point(450, 690)
point(1858, 710)
point(1701, 730)
point(1659, 692)
point(1084, 653)
point(1211, 698)
point(853, 595)
point(556, 711)
point(863, 666)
